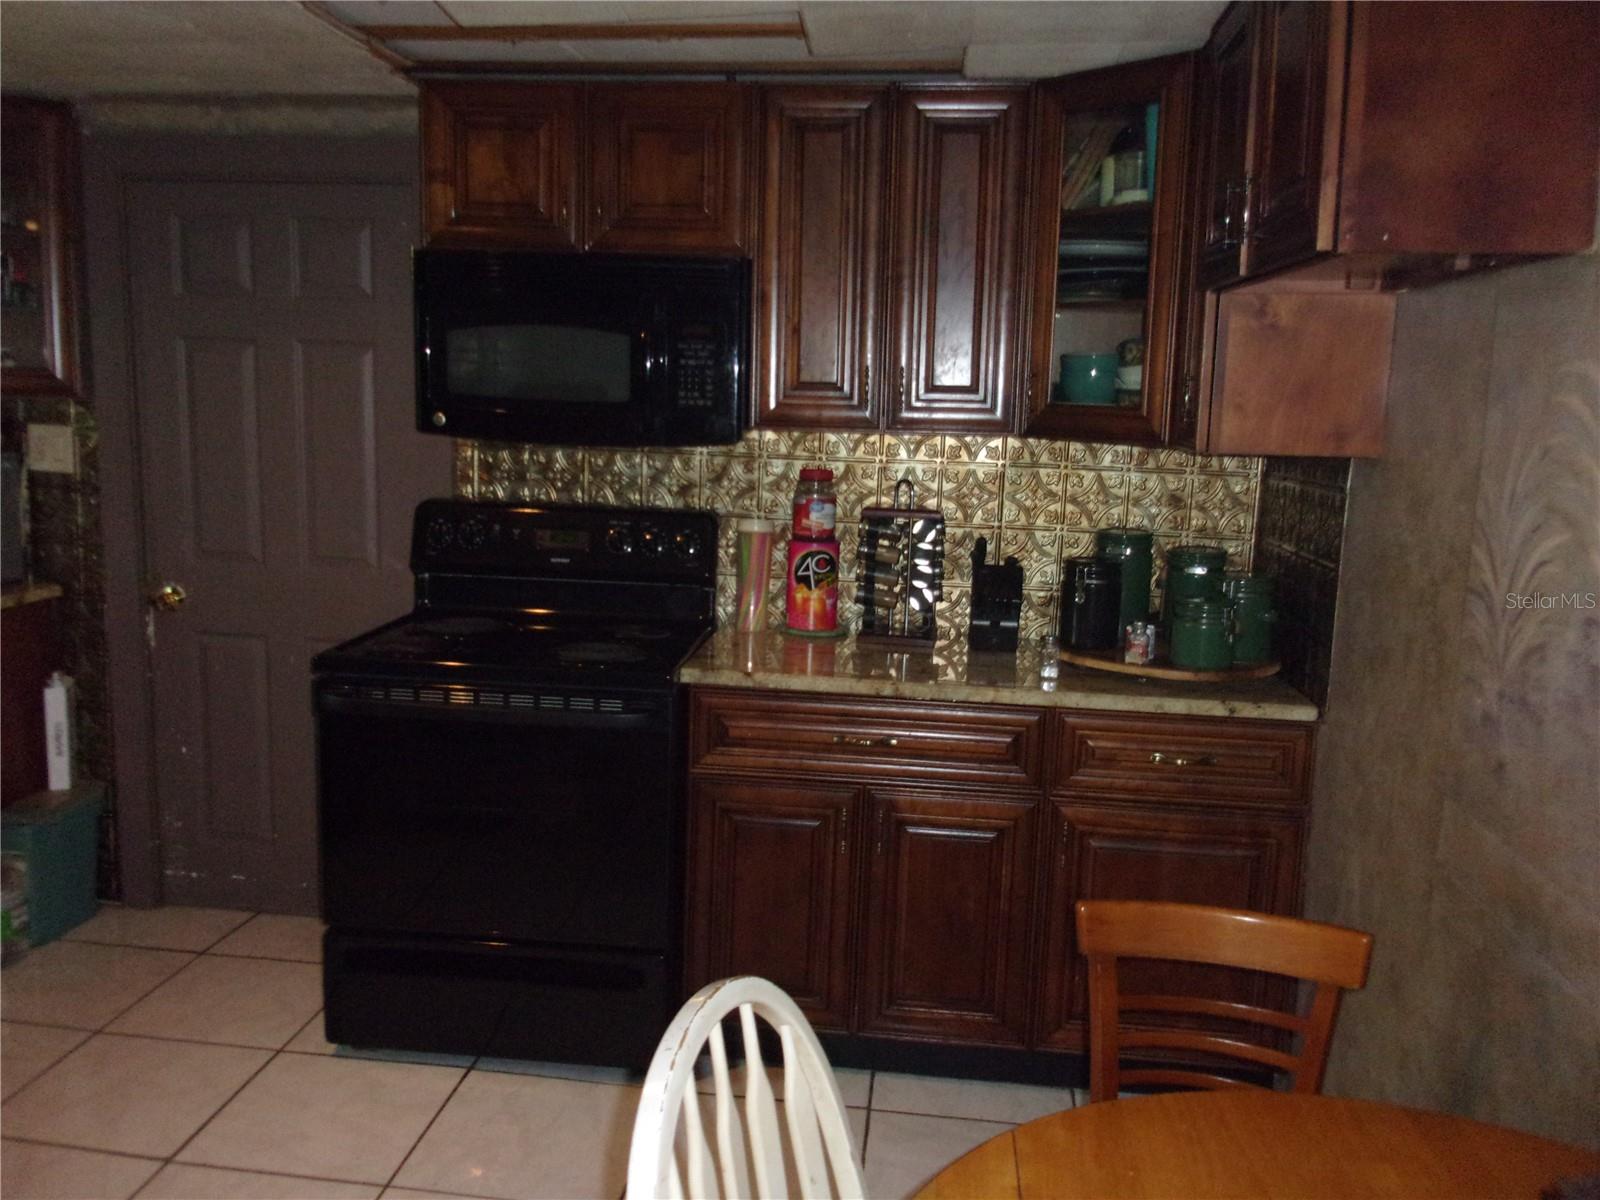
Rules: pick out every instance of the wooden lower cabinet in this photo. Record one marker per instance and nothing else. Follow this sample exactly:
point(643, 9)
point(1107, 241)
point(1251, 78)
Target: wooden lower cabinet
point(938, 908)
point(772, 893)
point(1103, 851)
point(947, 916)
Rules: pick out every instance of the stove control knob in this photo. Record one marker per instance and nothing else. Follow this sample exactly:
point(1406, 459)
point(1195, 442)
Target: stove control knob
point(687, 543)
point(619, 539)
point(652, 541)
point(439, 535)
point(473, 533)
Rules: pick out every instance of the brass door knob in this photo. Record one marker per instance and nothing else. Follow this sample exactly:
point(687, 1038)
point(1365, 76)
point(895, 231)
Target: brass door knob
point(167, 597)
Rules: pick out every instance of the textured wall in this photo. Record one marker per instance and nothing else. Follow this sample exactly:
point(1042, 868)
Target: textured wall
point(1457, 809)
point(1039, 500)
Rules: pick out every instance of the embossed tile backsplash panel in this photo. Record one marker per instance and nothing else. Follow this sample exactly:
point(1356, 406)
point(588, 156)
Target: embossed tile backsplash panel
point(1039, 500)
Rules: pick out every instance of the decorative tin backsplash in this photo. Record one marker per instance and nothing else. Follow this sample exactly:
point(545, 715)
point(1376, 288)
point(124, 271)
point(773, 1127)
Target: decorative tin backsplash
point(1039, 500)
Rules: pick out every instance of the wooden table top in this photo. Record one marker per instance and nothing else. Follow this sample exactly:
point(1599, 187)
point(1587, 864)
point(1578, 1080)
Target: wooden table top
point(1256, 1144)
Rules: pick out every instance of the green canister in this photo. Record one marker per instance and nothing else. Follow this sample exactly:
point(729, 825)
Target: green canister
point(1194, 572)
point(1202, 634)
point(1133, 549)
point(1254, 617)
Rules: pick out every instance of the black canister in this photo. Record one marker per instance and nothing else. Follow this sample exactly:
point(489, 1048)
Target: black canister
point(1091, 604)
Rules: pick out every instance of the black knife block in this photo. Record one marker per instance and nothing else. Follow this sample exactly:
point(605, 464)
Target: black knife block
point(996, 602)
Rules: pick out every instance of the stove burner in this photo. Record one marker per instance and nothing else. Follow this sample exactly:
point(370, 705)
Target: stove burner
point(458, 627)
point(600, 652)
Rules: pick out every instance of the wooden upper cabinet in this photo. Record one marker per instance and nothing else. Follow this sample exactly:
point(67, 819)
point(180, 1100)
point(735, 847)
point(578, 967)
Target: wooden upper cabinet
point(1225, 71)
point(818, 260)
point(1293, 183)
point(1111, 154)
point(500, 163)
point(956, 252)
point(667, 167)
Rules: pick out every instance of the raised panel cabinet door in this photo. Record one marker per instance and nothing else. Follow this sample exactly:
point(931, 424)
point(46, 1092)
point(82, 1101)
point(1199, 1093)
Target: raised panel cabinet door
point(1292, 195)
point(1119, 852)
point(948, 913)
point(770, 890)
point(818, 262)
point(500, 164)
point(1222, 103)
point(667, 167)
point(957, 253)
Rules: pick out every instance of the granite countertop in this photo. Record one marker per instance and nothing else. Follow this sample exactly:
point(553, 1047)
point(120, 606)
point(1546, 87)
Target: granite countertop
point(841, 667)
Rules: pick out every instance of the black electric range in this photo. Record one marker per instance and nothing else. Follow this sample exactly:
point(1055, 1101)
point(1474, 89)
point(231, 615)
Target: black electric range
point(500, 786)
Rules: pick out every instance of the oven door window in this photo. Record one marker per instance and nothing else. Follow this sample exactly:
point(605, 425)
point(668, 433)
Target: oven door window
point(499, 830)
point(550, 364)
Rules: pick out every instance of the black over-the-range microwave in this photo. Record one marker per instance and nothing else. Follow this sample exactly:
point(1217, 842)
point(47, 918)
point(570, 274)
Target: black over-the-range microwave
point(582, 349)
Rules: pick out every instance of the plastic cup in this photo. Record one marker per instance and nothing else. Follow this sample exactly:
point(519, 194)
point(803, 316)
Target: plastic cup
point(753, 563)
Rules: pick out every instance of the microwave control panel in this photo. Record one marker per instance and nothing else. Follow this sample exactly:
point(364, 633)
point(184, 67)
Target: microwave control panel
point(696, 366)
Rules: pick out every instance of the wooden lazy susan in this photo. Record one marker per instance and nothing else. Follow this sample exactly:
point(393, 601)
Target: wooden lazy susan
point(1111, 660)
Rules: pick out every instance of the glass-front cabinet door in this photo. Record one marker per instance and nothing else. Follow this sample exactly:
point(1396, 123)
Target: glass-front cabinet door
point(1110, 172)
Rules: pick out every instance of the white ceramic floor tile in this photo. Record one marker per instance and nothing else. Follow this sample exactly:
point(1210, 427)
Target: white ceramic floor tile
point(973, 1099)
point(270, 936)
point(523, 1137)
point(172, 928)
point(580, 1072)
point(240, 1001)
point(413, 1194)
point(26, 1050)
point(132, 1095)
point(30, 1172)
point(180, 1181)
point(310, 1041)
point(326, 1117)
point(904, 1151)
point(82, 985)
point(855, 1087)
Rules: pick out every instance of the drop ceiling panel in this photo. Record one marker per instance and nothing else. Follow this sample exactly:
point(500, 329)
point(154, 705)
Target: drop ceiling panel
point(861, 29)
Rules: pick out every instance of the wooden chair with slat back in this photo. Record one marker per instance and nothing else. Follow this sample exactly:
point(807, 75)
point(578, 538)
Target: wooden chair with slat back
point(672, 1156)
point(1332, 957)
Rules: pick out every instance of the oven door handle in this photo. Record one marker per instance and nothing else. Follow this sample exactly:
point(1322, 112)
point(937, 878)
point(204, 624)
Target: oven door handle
point(549, 718)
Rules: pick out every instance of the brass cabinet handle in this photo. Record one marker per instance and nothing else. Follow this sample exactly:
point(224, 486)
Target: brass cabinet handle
point(563, 217)
point(866, 380)
point(902, 383)
point(1161, 759)
point(844, 830)
point(845, 739)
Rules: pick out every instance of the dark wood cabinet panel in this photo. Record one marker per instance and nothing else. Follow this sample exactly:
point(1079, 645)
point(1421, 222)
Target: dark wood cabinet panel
point(500, 163)
point(770, 892)
point(1117, 852)
point(949, 903)
point(956, 255)
point(1293, 184)
point(818, 262)
point(899, 741)
point(666, 167)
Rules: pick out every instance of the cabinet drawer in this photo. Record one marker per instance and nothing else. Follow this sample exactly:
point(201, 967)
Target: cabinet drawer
point(1238, 761)
point(754, 731)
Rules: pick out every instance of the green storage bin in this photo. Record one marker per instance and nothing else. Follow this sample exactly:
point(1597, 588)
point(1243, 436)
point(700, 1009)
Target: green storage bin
point(59, 834)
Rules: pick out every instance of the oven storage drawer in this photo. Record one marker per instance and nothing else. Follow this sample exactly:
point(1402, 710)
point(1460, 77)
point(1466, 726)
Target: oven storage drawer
point(1262, 762)
point(503, 1000)
point(900, 740)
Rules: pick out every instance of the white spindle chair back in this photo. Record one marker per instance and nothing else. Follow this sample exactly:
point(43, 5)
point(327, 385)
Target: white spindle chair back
point(670, 1142)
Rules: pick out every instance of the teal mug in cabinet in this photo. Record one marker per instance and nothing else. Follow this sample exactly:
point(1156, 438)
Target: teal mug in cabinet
point(1194, 572)
point(1254, 618)
point(1133, 548)
point(1202, 634)
point(1089, 378)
